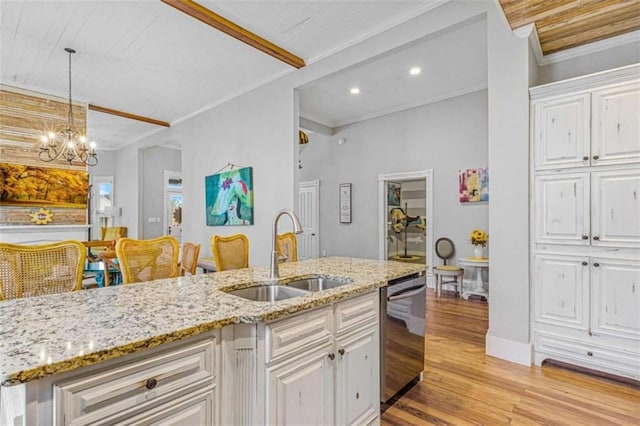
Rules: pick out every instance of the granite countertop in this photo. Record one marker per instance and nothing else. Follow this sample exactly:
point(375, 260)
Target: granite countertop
point(45, 335)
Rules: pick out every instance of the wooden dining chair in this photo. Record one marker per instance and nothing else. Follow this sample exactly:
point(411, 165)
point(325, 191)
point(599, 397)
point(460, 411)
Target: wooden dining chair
point(287, 246)
point(147, 260)
point(230, 252)
point(189, 261)
point(35, 270)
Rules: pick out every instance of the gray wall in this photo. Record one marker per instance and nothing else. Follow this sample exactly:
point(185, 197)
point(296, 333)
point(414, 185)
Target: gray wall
point(155, 160)
point(445, 136)
point(615, 57)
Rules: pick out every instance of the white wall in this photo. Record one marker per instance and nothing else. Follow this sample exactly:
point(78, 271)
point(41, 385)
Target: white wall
point(256, 130)
point(445, 136)
point(509, 300)
point(619, 56)
point(155, 160)
point(126, 184)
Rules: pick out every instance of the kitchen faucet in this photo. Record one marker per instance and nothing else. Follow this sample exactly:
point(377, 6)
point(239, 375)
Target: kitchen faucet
point(297, 229)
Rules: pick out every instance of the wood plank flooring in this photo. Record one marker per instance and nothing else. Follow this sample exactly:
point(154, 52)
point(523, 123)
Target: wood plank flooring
point(463, 386)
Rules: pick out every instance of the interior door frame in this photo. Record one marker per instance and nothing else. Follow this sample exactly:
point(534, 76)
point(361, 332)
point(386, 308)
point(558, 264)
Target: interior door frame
point(427, 175)
point(167, 174)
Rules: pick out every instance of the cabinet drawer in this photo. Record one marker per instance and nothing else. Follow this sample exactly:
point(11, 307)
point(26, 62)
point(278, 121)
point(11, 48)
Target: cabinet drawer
point(584, 353)
point(354, 312)
point(133, 387)
point(293, 335)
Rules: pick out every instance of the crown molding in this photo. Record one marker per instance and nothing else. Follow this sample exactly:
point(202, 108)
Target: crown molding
point(586, 82)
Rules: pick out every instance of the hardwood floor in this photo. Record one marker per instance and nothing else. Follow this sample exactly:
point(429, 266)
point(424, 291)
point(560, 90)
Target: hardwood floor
point(463, 386)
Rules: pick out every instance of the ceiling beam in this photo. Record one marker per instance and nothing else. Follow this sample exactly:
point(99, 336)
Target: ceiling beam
point(218, 22)
point(98, 108)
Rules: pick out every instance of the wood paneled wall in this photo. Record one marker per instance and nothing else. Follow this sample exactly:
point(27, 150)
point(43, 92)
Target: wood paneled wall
point(24, 115)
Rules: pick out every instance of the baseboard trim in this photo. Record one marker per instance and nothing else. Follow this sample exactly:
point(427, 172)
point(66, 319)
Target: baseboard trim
point(509, 350)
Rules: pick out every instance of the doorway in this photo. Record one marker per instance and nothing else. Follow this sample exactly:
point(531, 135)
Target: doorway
point(406, 218)
point(172, 216)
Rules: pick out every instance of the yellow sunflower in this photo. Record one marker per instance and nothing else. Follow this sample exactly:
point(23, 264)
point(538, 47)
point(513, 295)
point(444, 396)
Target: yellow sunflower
point(479, 237)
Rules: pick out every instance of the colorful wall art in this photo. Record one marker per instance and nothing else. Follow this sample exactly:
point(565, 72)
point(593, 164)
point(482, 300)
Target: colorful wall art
point(393, 193)
point(473, 185)
point(229, 197)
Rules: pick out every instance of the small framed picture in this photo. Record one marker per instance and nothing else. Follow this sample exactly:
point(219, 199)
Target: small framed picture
point(345, 203)
point(393, 193)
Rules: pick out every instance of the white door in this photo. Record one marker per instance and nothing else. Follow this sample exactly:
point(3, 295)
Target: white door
point(300, 390)
point(616, 297)
point(562, 132)
point(616, 125)
point(358, 378)
point(615, 208)
point(562, 215)
point(309, 215)
point(562, 290)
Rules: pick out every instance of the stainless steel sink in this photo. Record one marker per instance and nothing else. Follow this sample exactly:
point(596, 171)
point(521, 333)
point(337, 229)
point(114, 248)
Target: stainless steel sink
point(317, 284)
point(268, 293)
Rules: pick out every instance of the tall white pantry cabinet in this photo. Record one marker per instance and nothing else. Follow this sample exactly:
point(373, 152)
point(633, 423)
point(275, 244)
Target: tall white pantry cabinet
point(585, 223)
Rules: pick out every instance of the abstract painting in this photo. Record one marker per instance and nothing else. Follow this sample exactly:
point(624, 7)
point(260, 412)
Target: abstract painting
point(229, 197)
point(473, 185)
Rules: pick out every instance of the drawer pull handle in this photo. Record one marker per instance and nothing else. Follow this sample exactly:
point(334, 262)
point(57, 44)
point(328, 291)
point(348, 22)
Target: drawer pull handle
point(332, 356)
point(596, 264)
point(151, 383)
point(590, 353)
point(584, 263)
point(596, 238)
point(585, 237)
point(341, 351)
point(585, 158)
point(595, 157)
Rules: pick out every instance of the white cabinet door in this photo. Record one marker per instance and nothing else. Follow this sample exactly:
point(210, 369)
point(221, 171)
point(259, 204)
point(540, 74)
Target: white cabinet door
point(358, 378)
point(616, 297)
point(615, 217)
point(562, 208)
point(561, 286)
point(562, 132)
point(300, 390)
point(616, 125)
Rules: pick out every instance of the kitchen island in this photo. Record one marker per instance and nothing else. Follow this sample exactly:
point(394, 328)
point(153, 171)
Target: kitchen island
point(223, 346)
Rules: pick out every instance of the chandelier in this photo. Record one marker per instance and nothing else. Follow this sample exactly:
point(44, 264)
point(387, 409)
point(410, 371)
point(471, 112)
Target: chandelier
point(68, 144)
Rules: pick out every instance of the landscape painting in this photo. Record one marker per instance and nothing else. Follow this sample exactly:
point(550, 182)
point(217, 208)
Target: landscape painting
point(229, 197)
point(473, 185)
point(32, 186)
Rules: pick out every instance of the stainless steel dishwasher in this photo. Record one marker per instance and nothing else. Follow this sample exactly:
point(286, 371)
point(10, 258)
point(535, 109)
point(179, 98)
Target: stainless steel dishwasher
point(402, 312)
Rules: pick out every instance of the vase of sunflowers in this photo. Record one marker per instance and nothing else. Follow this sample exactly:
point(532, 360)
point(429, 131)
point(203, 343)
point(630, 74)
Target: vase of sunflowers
point(479, 240)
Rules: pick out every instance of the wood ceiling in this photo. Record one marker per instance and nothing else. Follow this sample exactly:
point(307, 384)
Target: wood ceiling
point(563, 24)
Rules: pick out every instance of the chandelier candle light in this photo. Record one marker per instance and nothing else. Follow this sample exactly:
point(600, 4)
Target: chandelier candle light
point(68, 144)
point(479, 240)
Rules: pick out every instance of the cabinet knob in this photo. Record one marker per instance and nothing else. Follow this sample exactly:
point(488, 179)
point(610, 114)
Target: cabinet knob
point(151, 383)
point(595, 157)
point(596, 264)
point(584, 263)
point(596, 238)
point(590, 353)
point(332, 356)
point(585, 237)
point(585, 158)
point(341, 351)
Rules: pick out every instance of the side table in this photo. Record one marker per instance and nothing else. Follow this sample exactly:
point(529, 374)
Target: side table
point(478, 264)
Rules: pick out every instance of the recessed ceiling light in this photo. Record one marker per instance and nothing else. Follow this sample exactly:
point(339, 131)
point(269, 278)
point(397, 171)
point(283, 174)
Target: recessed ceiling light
point(415, 71)
point(354, 90)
